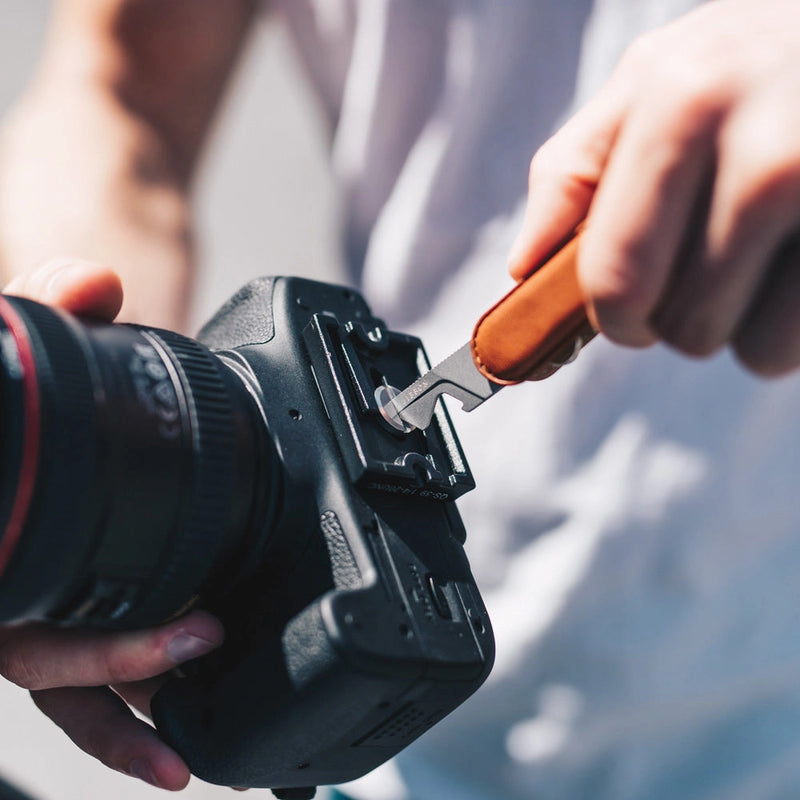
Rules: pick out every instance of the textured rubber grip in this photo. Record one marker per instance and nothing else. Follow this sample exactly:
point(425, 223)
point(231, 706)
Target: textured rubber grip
point(538, 326)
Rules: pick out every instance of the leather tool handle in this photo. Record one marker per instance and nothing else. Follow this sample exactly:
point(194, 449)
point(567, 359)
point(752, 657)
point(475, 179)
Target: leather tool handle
point(539, 326)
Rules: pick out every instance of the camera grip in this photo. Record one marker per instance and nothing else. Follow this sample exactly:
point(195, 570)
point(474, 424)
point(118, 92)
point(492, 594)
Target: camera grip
point(538, 326)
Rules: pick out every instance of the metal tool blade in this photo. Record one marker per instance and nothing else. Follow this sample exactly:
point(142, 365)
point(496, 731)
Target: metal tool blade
point(457, 376)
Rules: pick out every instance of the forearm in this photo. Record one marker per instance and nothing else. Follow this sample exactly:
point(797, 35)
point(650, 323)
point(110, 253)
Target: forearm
point(83, 181)
point(97, 158)
point(162, 63)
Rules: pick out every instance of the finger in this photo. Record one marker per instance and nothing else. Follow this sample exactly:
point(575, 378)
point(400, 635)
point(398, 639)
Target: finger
point(101, 724)
point(42, 657)
point(768, 341)
point(754, 209)
point(563, 177)
point(654, 187)
point(82, 287)
point(139, 694)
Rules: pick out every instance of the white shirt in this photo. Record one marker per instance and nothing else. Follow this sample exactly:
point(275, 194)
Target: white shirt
point(636, 527)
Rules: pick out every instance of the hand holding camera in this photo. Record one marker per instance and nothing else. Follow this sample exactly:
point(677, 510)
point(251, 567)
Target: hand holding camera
point(259, 481)
point(70, 671)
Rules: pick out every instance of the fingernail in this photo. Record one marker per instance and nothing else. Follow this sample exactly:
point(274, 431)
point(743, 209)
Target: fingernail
point(140, 769)
point(184, 646)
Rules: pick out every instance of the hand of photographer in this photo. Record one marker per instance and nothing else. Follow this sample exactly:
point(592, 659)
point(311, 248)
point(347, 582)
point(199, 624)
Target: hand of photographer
point(687, 163)
point(85, 681)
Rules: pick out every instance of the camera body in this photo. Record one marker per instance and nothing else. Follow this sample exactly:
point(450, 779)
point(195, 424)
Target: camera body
point(363, 625)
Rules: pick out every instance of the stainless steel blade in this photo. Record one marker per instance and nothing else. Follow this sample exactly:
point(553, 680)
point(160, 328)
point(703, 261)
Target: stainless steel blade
point(457, 376)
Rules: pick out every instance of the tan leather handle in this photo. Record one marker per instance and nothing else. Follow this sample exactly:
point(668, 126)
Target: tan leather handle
point(538, 326)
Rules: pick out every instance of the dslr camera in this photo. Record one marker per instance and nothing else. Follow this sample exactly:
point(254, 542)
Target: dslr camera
point(250, 473)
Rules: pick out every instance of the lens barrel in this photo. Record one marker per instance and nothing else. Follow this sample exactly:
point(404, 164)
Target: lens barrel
point(135, 470)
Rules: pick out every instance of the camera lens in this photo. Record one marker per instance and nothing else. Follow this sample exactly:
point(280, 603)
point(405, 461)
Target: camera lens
point(135, 470)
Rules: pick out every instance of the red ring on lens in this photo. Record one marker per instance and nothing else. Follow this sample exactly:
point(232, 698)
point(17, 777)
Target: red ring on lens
point(30, 433)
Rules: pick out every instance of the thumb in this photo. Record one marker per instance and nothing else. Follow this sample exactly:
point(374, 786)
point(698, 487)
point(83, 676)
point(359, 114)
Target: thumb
point(563, 177)
point(85, 288)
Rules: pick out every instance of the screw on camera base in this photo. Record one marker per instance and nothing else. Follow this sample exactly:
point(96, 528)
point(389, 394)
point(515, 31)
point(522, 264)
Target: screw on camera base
point(384, 395)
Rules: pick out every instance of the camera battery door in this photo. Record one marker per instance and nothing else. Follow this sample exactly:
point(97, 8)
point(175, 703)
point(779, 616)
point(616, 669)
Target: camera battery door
point(368, 627)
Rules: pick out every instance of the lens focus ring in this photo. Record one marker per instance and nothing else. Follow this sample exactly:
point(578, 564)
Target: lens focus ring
point(213, 435)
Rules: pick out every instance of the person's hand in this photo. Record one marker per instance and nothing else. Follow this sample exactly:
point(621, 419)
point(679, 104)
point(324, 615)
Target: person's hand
point(86, 681)
point(688, 165)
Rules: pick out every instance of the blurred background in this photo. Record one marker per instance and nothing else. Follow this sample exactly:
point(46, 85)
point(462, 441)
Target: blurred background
point(266, 205)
